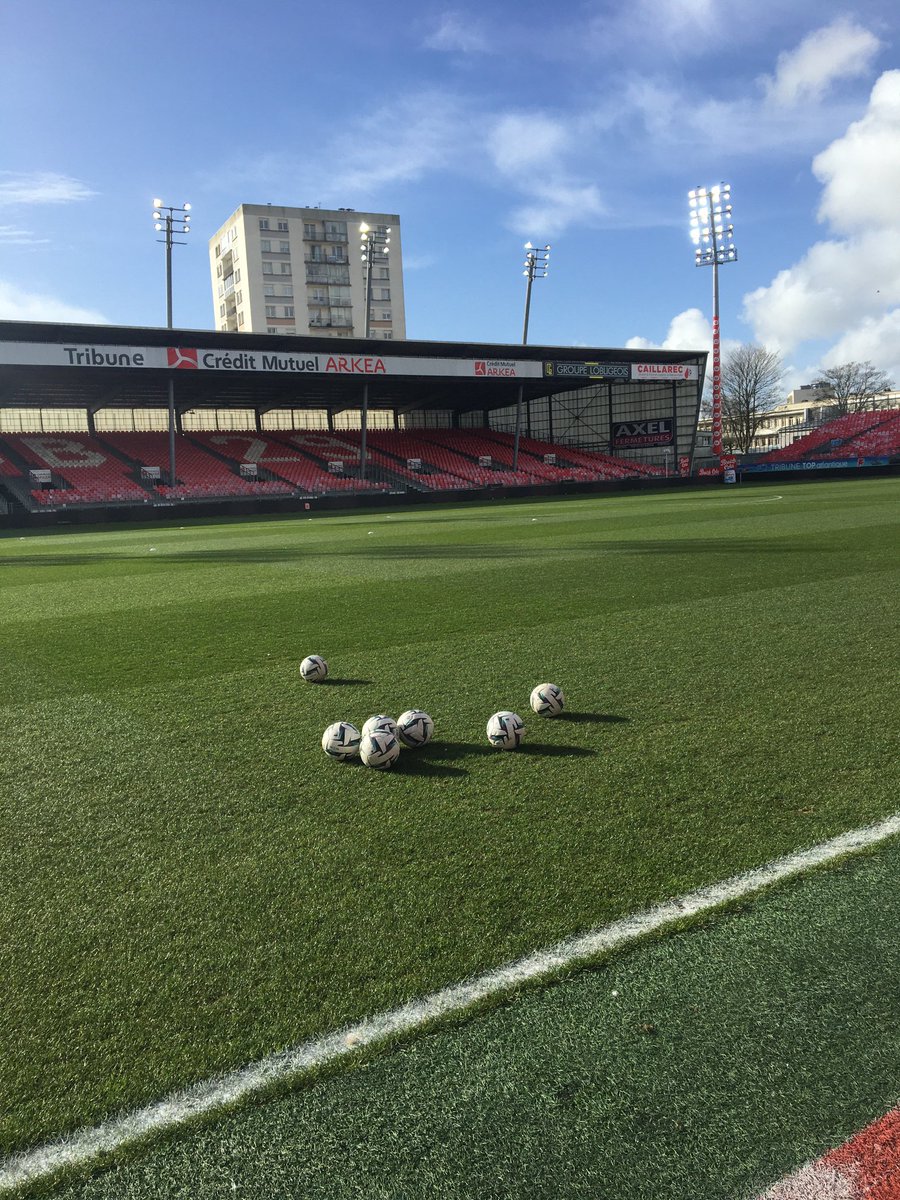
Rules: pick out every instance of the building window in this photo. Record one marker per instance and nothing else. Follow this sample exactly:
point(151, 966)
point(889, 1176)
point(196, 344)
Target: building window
point(384, 272)
point(284, 247)
point(271, 310)
point(238, 297)
point(289, 310)
point(309, 231)
point(335, 231)
point(237, 276)
point(287, 289)
point(268, 289)
point(221, 310)
point(282, 226)
point(272, 329)
point(388, 336)
point(286, 270)
point(240, 318)
point(264, 222)
point(219, 271)
point(385, 294)
point(218, 249)
point(266, 246)
point(268, 269)
point(385, 314)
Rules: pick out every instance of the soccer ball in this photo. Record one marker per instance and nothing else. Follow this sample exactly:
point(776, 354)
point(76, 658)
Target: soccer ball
point(548, 700)
point(341, 740)
point(381, 723)
point(380, 749)
point(314, 668)
point(505, 730)
point(415, 727)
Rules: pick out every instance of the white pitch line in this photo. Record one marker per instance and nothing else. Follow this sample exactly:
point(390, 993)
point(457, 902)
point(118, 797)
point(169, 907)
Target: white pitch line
point(213, 1095)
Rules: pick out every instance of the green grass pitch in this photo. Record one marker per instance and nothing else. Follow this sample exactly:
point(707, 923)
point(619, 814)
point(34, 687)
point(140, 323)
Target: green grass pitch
point(190, 884)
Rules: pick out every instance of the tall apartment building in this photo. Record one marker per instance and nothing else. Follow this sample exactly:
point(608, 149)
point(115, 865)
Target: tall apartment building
point(299, 270)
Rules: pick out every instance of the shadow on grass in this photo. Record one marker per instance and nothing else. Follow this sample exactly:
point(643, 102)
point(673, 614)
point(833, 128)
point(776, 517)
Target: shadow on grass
point(585, 718)
point(467, 550)
point(455, 750)
point(345, 683)
point(549, 750)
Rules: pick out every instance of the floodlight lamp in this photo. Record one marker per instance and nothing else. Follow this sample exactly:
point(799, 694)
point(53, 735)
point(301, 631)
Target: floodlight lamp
point(158, 228)
point(186, 206)
point(157, 203)
point(157, 215)
point(363, 227)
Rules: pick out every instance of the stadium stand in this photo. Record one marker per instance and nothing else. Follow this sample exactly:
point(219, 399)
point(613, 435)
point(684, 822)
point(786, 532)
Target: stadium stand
point(83, 470)
point(570, 461)
point(285, 461)
point(881, 440)
point(106, 468)
point(841, 437)
point(200, 475)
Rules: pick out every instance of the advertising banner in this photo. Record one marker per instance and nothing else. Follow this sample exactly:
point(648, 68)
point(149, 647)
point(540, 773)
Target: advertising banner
point(820, 465)
point(675, 372)
point(658, 432)
point(580, 372)
point(188, 358)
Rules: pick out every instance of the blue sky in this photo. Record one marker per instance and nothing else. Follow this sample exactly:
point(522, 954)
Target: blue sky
point(483, 126)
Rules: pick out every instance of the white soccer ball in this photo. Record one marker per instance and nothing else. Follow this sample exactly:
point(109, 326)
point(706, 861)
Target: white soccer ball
point(381, 723)
point(380, 749)
point(314, 668)
point(548, 700)
point(415, 727)
point(505, 730)
point(341, 740)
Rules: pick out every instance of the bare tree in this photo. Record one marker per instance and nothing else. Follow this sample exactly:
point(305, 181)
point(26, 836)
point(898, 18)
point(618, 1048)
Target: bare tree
point(751, 387)
point(852, 386)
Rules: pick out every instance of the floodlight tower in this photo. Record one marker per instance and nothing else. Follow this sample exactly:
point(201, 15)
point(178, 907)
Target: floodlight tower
point(713, 235)
point(374, 246)
point(537, 264)
point(171, 221)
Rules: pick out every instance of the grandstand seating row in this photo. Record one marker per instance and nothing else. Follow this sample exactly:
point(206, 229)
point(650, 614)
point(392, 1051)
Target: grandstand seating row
point(107, 467)
point(857, 434)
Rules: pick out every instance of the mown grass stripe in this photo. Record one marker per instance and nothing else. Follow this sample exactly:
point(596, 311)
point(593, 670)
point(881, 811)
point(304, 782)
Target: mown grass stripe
point(213, 1095)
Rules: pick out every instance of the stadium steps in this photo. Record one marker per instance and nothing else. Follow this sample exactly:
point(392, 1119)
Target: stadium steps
point(833, 439)
point(389, 460)
point(16, 480)
point(133, 463)
point(264, 474)
point(349, 444)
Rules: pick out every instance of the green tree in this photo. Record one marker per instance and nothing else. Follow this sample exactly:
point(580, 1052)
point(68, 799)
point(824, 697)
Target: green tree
point(751, 387)
point(852, 386)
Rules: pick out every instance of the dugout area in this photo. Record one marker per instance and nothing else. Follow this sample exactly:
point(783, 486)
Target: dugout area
point(640, 407)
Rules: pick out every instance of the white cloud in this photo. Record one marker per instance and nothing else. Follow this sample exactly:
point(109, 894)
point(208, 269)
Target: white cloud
point(41, 188)
point(846, 288)
point(861, 170)
point(525, 141)
point(421, 133)
point(18, 305)
point(458, 33)
point(841, 50)
point(875, 340)
point(688, 330)
point(553, 207)
point(834, 285)
point(11, 236)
